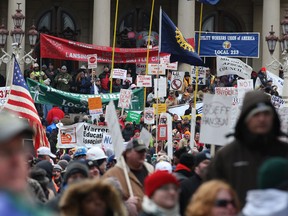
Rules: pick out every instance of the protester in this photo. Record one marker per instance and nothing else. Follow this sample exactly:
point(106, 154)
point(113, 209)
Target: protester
point(96, 154)
point(63, 79)
point(54, 112)
point(44, 153)
point(214, 198)
point(133, 160)
point(161, 195)
point(92, 197)
point(185, 168)
point(257, 135)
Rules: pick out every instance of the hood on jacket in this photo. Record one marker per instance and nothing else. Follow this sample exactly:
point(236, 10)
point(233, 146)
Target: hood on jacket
point(266, 203)
point(251, 100)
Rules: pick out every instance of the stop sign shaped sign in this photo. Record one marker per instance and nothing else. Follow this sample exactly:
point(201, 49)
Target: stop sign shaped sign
point(92, 61)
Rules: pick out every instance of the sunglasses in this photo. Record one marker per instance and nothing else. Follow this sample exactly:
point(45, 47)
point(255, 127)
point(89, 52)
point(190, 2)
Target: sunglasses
point(224, 203)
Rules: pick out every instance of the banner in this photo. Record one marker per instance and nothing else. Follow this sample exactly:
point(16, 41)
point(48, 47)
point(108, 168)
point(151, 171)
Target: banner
point(47, 95)
point(4, 91)
point(215, 119)
point(144, 81)
point(277, 102)
point(92, 61)
point(154, 69)
point(176, 80)
point(59, 48)
point(201, 75)
point(276, 81)
point(149, 115)
point(244, 44)
point(80, 134)
point(226, 66)
point(119, 73)
point(125, 98)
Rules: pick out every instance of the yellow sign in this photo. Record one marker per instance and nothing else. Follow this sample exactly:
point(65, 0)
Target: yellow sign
point(162, 108)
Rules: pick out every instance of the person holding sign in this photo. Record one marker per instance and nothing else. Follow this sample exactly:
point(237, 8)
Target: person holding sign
point(256, 135)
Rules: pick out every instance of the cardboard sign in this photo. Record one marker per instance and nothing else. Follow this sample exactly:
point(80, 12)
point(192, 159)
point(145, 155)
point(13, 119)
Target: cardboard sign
point(144, 81)
point(154, 69)
point(119, 73)
point(160, 87)
point(215, 119)
point(201, 75)
point(80, 134)
point(133, 117)
point(95, 105)
point(176, 80)
point(125, 98)
point(162, 132)
point(149, 115)
point(161, 108)
point(92, 61)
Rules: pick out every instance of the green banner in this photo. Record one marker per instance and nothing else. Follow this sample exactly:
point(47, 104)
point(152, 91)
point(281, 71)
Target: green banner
point(133, 117)
point(47, 95)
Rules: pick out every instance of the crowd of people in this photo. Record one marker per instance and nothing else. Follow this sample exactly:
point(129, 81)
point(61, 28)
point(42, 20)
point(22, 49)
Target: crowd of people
point(247, 177)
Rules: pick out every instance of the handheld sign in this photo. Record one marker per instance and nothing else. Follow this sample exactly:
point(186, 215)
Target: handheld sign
point(92, 61)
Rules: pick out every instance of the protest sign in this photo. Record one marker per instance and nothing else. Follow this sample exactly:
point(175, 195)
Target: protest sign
point(95, 106)
point(160, 108)
point(140, 69)
point(144, 81)
point(80, 134)
point(169, 143)
point(201, 75)
point(114, 127)
point(154, 69)
point(165, 60)
point(176, 80)
point(160, 87)
point(149, 115)
point(162, 132)
point(107, 142)
point(4, 91)
point(226, 66)
point(226, 91)
point(146, 136)
point(283, 116)
point(244, 86)
point(92, 61)
point(277, 102)
point(119, 73)
point(276, 80)
point(133, 117)
point(125, 98)
point(215, 119)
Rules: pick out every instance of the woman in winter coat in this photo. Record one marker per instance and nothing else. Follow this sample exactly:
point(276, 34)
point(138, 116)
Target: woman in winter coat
point(90, 197)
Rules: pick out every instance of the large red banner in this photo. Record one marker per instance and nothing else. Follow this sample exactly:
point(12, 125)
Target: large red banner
point(59, 48)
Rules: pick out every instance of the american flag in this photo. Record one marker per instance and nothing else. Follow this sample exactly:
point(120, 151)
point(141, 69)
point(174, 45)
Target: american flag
point(21, 102)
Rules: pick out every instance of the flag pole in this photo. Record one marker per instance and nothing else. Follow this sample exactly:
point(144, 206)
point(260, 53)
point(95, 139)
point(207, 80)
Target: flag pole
point(114, 44)
point(148, 46)
point(199, 36)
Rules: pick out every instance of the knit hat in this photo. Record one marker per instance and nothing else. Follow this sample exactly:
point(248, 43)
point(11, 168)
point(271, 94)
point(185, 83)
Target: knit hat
point(187, 159)
point(76, 167)
point(263, 69)
point(273, 173)
point(47, 166)
point(187, 133)
point(63, 164)
point(156, 180)
point(66, 157)
point(39, 174)
point(260, 107)
point(204, 155)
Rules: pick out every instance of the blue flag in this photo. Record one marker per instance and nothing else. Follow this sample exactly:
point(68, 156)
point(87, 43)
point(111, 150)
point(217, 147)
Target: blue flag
point(211, 2)
point(173, 42)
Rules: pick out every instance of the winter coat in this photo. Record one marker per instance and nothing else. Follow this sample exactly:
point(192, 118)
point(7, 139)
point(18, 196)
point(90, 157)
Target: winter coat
point(118, 172)
point(238, 162)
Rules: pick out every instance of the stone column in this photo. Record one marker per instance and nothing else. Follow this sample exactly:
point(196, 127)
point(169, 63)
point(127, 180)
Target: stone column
point(186, 24)
point(271, 16)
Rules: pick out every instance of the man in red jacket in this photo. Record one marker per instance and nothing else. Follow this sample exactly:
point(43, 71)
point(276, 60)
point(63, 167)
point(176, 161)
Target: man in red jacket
point(54, 112)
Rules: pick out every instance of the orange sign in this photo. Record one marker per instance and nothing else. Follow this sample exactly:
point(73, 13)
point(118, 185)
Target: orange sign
point(95, 105)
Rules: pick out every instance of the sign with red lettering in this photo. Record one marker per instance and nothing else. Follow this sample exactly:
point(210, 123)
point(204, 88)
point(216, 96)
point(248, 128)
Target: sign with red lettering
point(144, 81)
point(92, 61)
point(154, 69)
point(4, 91)
point(125, 98)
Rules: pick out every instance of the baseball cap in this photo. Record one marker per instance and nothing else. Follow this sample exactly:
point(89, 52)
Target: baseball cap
point(11, 126)
point(136, 144)
point(45, 151)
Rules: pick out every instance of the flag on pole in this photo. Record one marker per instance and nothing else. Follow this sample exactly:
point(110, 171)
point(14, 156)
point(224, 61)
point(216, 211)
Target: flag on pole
point(21, 102)
point(172, 41)
point(211, 2)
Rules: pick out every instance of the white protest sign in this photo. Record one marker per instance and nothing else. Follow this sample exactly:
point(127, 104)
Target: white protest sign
point(146, 136)
point(192, 127)
point(154, 69)
point(119, 73)
point(244, 86)
point(165, 60)
point(125, 98)
point(226, 66)
point(160, 87)
point(92, 61)
point(277, 102)
point(80, 134)
point(201, 75)
point(215, 119)
point(144, 81)
point(107, 141)
point(276, 81)
point(169, 138)
point(176, 80)
point(4, 91)
point(283, 115)
point(114, 127)
point(149, 115)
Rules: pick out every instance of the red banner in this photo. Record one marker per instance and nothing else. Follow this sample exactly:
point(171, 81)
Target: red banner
point(59, 48)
